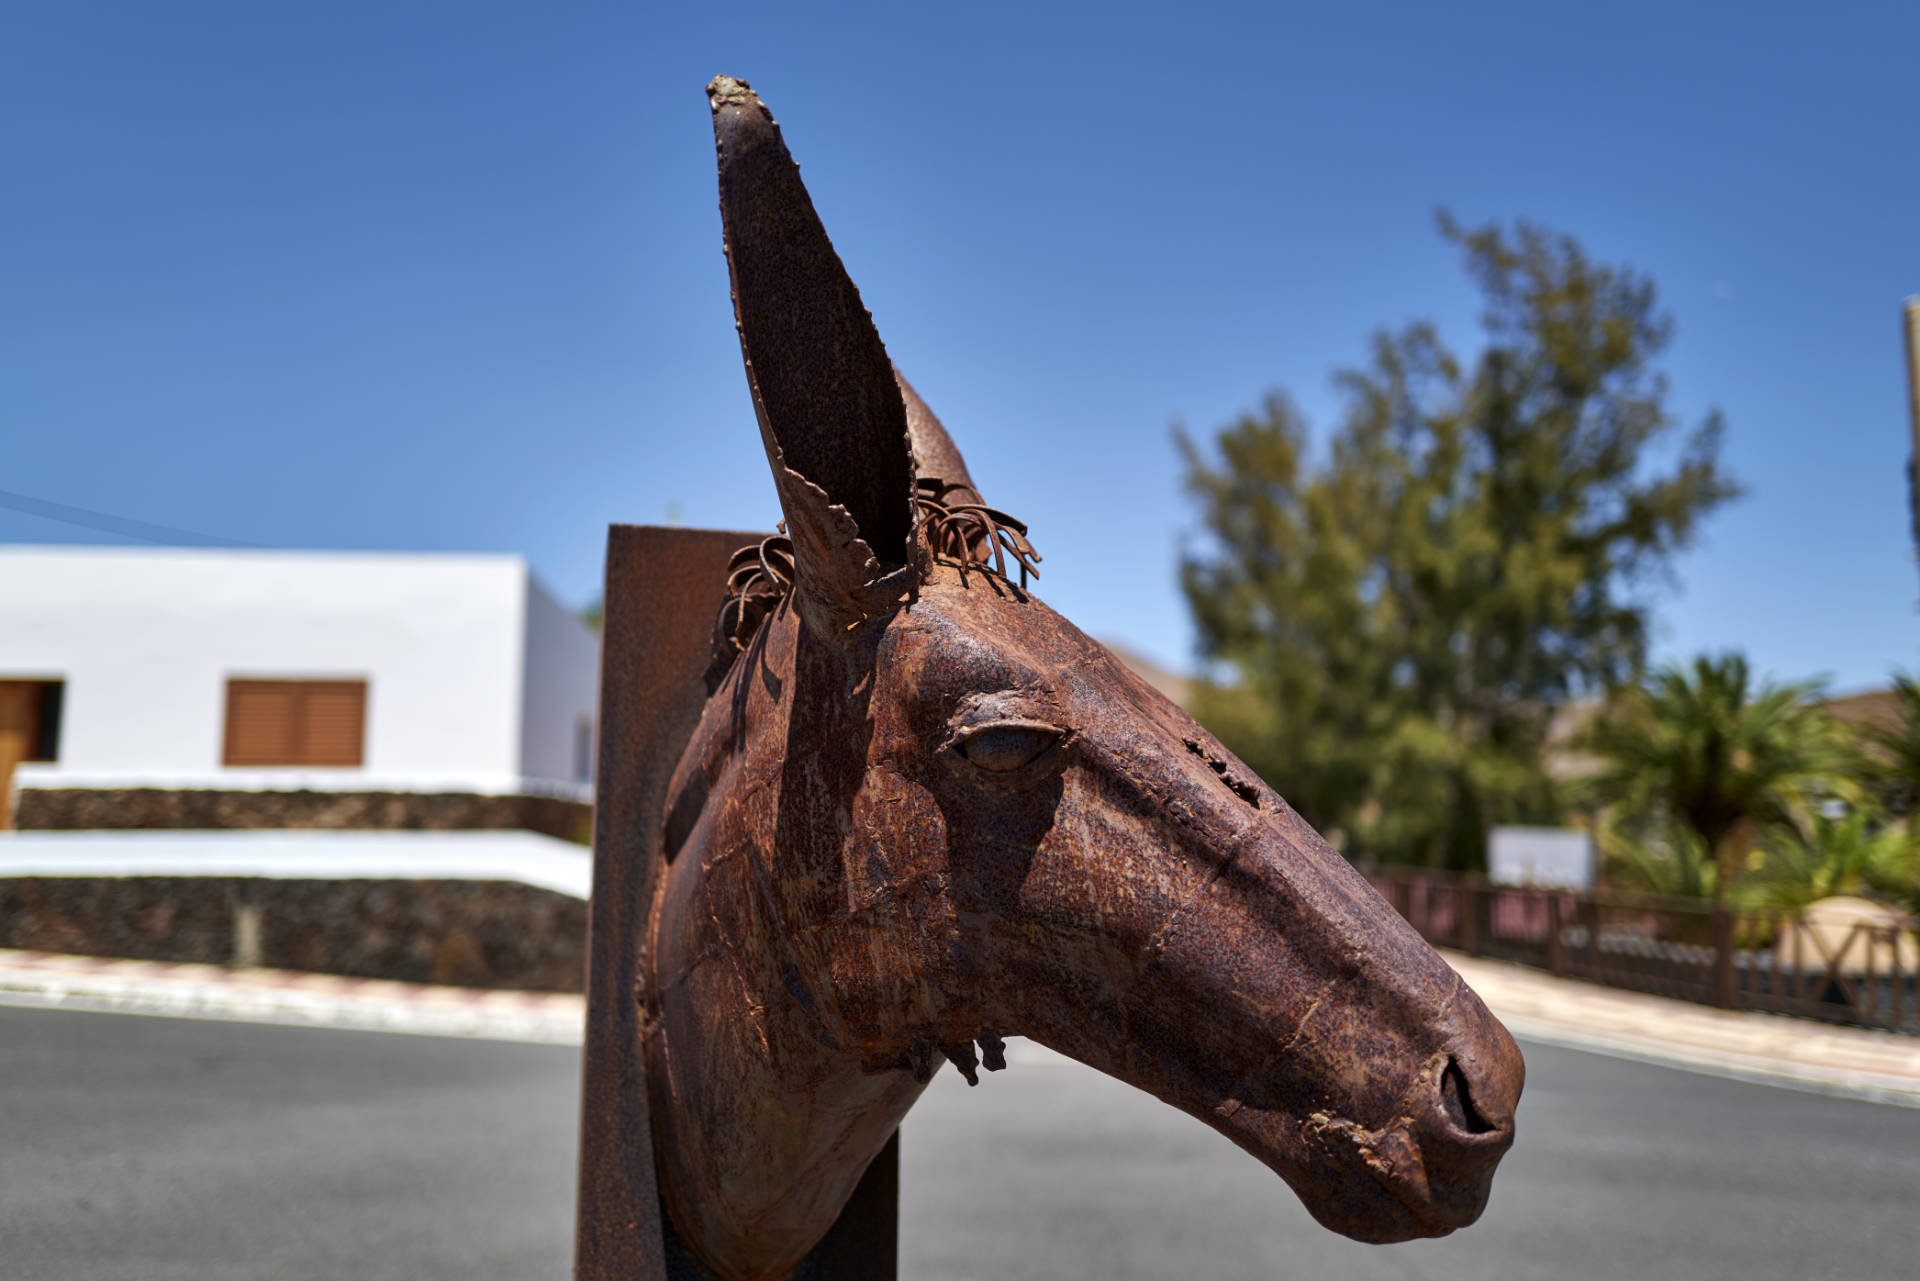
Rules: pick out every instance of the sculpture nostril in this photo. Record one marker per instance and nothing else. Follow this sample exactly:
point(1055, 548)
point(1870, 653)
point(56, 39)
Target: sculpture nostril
point(1456, 1102)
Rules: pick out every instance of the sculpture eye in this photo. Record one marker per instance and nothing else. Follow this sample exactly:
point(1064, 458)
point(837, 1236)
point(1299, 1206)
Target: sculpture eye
point(1006, 748)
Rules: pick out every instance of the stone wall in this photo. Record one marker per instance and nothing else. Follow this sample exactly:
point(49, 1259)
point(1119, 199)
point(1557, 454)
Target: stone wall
point(491, 934)
point(74, 808)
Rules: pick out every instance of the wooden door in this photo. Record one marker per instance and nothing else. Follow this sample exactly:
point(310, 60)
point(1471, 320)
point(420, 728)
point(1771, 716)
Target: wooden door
point(19, 714)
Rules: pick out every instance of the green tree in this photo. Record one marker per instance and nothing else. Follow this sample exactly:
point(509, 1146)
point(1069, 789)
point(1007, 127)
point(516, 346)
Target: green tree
point(1895, 766)
point(1392, 627)
point(1704, 748)
point(1857, 852)
point(1668, 860)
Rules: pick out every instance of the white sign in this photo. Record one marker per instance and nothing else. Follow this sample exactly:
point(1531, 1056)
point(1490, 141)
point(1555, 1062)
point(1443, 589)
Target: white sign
point(1561, 856)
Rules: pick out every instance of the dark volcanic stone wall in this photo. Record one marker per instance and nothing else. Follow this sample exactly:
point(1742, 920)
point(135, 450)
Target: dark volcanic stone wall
point(493, 934)
point(68, 809)
point(152, 918)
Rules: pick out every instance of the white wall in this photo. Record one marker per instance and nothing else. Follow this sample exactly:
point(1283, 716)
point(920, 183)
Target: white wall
point(145, 640)
point(561, 695)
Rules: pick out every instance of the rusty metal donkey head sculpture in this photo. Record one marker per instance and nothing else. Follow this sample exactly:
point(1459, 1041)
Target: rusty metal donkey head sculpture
point(922, 812)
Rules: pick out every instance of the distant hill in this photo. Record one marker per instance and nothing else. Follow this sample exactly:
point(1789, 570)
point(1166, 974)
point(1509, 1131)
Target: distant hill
point(1172, 684)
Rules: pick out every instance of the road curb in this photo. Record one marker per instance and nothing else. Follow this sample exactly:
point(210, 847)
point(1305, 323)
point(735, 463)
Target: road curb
point(47, 981)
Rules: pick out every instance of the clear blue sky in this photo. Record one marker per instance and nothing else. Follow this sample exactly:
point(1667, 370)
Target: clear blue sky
point(449, 275)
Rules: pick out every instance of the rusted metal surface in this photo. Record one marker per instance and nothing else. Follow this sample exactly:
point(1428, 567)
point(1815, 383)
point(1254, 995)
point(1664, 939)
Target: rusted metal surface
point(758, 576)
point(662, 587)
point(921, 812)
point(961, 531)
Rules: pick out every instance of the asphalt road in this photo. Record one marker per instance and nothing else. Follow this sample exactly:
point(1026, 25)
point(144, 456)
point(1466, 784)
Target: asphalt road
point(144, 1149)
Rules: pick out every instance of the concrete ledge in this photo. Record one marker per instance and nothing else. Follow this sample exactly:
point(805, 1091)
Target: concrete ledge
point(527, 857)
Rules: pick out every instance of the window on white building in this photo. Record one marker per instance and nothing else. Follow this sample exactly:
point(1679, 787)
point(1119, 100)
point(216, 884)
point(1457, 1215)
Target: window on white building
point(30, 712)
point(304, 723)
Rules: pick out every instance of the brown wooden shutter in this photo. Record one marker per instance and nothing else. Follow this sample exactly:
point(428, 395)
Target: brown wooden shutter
point(260, 717)
point(280, 723)
point(333, 722)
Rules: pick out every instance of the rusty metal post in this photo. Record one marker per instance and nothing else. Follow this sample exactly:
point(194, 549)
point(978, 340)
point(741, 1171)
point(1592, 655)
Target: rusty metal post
point(662, 588)
point(1723, 969)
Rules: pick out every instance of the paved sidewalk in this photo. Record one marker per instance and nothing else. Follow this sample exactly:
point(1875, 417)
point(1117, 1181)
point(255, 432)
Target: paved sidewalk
point(1774, 1049)
point(1768, 1048)
point(284, 996)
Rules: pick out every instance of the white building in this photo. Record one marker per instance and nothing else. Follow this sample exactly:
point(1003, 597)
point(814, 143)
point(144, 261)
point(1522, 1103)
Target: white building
point(283, 671)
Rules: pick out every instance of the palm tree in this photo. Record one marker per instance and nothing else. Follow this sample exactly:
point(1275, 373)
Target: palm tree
point(1664, 860)
point(1858, 853)
point(1896, 764)
point(1702, 747)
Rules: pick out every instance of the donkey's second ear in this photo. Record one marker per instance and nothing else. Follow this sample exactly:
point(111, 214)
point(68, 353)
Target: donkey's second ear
point(831, 416)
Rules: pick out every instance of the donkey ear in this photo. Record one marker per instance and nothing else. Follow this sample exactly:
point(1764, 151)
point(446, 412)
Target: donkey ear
point(935, 456)
point(831, 416)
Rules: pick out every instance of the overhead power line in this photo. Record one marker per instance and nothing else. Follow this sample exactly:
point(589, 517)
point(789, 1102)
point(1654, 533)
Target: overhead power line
point(121, 525)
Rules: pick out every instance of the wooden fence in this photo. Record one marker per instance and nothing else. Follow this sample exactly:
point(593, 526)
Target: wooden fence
point(1862, 974)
